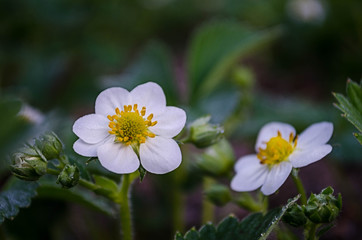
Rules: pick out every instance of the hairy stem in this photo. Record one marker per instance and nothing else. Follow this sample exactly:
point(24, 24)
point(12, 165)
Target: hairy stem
point(125, 211)
point(298, 183)
point(207, 206)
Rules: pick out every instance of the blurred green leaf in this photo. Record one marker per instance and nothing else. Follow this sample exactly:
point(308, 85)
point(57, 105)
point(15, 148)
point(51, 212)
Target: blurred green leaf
point(18, 195)
point(154, 63)
point(49, 189)
point(351, 106)
point(215, 48)
point(256, 226)
point(106, 183)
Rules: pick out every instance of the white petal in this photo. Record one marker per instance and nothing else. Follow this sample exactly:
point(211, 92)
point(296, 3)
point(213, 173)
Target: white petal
point(170, 122)
point(151, 96)
point(160, 155)
point(111, 98)
point(86, 149)
point(250, 174)
point(270, 130)
point(91, 128)
point(315, 135)
point(118, 158)
point(304, 157)
point(276, 177)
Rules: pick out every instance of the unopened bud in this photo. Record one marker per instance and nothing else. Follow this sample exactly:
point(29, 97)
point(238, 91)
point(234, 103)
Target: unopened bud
point(204, 134)
point(218, 194)
point(295, 216)
point(218, 159)
point(69, 176)
point(27, 164)
point(323, 207)
point(50, 145)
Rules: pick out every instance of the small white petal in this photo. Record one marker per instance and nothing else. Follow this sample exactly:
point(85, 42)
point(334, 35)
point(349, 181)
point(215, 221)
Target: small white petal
point(170, 122)
point(91, 128)
point(86, 149)
point(303, 157)
point(276, 177)
point(270, 130)
point(160, 155)
point(250, 174)
point(315, 135)
point(151, 96)
point(118, 158)
point(111, 98)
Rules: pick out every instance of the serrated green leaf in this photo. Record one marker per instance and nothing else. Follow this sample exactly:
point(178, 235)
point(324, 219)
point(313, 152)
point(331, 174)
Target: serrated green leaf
point(258, 226)
point(18, 195)
point(50, 190)
point(106, 183)
point(208, 232)
point(354, 93)
point(358, 137)
point(215, 48)
point(228, 229)
point(350, 112)
point(254, 227)
point(179, 236)
point(192, 234)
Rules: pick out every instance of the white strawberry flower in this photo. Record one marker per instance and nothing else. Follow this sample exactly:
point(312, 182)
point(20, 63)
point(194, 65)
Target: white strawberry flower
point(129, 123)
point(278, 151)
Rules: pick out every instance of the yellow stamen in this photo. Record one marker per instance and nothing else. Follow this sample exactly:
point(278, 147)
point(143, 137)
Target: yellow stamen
point(277, 149)
point(130, 126)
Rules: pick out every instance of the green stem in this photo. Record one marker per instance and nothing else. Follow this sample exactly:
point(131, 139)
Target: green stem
point(207, 206)
point(298, 183)
point(125, 211)
point(310, 234)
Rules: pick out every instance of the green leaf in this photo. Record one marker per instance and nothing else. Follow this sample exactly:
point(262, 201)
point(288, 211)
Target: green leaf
point(254, 227)
point(351, 106)
point(258, 226)
point(18, 195)
point(228, 229)
point(208, 232)
point(192, 235)
point(215, 49)
point(354, 93)
point(86, 198)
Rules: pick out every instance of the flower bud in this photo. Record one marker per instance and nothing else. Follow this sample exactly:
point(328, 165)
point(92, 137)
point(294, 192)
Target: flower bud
point(323, 207)
point(204, 134)
point(243, 76)
point(50, 145)
point(27, 164)
point(218, 194)
point(217, 160)
point(295, 216)
point(69, 176)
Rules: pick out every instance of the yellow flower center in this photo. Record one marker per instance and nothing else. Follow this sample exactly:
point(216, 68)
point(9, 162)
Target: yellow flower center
point(130, 126)
point(277, 149)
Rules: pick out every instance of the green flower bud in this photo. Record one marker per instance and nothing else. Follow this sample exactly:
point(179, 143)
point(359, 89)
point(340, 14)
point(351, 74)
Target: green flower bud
point(50, 145)
point(217, 160)
point(295, 216)
point(323, 207)
point(218, 194)
point(27, 164)
point(204, 134)
point(243, 76)
point(69, 176)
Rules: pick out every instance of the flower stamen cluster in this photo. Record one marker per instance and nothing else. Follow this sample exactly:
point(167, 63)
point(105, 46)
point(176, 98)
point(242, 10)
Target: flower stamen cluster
point(130, 126)
point(277, 149)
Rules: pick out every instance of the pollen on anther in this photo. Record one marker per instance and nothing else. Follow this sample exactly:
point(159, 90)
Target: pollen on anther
point(118, 111)
point(150, 117)
point(143, 111)
point(110, 118)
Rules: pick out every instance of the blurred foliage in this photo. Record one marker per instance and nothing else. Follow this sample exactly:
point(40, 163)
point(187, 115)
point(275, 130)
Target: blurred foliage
point(58, 55)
